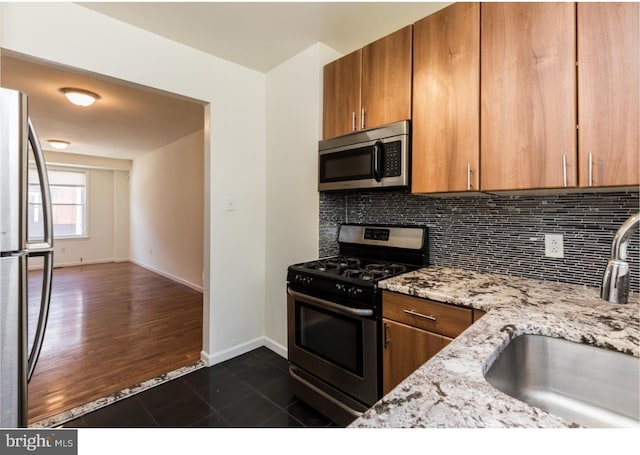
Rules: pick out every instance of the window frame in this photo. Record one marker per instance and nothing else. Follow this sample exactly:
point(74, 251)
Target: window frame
point(84, 204)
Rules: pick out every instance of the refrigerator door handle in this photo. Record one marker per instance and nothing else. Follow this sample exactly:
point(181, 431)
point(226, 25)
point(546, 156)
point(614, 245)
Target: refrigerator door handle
point(44, 249)
point(44, 311)
point(47, 243)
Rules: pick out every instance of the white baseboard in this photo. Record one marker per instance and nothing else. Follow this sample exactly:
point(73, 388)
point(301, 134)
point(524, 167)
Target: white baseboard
point(74, 264)
point(276, 347)
point(219, 357)
point(193, 286)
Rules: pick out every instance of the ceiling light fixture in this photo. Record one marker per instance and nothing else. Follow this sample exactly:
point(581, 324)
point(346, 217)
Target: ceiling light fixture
point(58, 144)
point(80, 97)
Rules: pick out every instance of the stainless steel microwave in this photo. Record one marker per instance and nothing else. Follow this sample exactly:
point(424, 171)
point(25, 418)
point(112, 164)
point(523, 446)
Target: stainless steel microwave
point(373, 158)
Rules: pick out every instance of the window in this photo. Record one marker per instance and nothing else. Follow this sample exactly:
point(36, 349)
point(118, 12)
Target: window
point(68, 199)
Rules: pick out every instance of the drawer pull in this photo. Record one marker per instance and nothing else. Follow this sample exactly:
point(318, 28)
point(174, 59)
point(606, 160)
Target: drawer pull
point(420, 315)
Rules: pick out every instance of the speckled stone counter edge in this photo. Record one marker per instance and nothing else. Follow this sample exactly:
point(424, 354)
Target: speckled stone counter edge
point(450, 391)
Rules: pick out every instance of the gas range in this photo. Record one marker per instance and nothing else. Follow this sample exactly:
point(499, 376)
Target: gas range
point(344, 276)
point(334, 320)
point(368, 254)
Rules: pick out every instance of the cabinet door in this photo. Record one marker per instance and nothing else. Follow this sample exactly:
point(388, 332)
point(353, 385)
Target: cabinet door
point(446, 98)
point(341, 95)
point(405, 349)
point(386, 79)
point(608, 93)
point(528, 96)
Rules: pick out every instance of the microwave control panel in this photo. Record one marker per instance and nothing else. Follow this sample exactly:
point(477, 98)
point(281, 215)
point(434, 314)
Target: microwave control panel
point(392, 159)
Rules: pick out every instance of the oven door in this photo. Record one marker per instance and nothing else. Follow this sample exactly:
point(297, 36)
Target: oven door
point(335, 343)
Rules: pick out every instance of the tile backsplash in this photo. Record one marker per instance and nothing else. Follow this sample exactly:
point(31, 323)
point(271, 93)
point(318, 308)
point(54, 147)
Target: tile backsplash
point(498, 234)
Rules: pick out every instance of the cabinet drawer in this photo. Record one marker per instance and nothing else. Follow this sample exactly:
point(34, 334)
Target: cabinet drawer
point(436, 317)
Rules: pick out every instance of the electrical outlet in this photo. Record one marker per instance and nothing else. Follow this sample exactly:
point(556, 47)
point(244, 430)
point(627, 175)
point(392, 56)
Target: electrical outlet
point(553, 245)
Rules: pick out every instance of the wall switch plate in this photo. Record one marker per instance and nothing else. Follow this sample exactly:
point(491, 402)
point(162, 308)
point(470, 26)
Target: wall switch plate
point(553, 245)
point(230, 205)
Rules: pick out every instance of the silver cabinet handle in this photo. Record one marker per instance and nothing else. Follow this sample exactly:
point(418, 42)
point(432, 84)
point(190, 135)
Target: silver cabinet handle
point(353, 121)
point(590, 169)
point(468, 176)
point(564, 170)
point(387, 340)
point(362, 119)
point(420, 315)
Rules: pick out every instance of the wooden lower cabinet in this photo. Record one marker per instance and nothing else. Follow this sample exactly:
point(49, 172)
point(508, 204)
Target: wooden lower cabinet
point(414, 330)
point(405, 348)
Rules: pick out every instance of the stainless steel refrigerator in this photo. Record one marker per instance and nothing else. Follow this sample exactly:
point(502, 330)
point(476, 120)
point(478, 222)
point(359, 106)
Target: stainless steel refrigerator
point(18, 140)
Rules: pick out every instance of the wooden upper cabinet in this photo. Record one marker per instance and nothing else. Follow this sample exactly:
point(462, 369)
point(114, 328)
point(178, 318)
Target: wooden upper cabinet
point(341, 95)
point(446, 98)
point(386, 79)
point(608, 93)
point(528, 96)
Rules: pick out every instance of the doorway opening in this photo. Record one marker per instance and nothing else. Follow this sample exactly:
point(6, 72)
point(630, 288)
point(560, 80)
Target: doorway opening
point(127, 302)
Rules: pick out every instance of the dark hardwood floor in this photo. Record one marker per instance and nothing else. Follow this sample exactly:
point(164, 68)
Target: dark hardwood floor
point(110, 326)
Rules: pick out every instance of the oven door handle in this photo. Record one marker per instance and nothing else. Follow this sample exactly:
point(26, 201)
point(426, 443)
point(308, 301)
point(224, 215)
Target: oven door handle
point(330, 305)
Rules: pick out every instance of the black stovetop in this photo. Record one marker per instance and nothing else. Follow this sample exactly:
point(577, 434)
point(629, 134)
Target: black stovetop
point(353, 269)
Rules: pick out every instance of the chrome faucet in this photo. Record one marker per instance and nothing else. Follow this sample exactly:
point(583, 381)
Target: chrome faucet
point(615, 283)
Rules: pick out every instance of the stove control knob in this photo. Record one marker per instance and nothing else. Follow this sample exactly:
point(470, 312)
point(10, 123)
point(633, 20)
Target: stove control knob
point(307, 280)
point(352, 291)
point(297, 278)
point(340, 288)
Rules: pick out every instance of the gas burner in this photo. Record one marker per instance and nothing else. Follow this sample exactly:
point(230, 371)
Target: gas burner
point(323, 265)
point(387, 269)
point(371, 275)
point(316, 265)
point(364, 274)
point(352, 273)
point(343, 262)
point(395, 269)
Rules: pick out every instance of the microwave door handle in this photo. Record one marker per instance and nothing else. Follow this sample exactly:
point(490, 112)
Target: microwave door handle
point(378, 150)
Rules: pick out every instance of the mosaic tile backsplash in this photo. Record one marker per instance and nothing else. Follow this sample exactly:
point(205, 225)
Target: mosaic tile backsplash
point(499, 234)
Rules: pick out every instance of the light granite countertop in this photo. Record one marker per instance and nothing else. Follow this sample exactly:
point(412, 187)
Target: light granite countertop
point(450, 389)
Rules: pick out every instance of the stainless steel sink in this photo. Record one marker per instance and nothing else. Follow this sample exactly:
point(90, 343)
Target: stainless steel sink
point(590, 386)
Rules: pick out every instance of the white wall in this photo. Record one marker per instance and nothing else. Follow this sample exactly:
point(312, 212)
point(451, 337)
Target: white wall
point(235, 151)
point(294, 126)
point(107, 215)
point(167, 217)
point(121, 215)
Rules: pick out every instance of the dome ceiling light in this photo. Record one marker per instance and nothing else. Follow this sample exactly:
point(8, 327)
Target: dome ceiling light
point(80, 97)
point(58, 144)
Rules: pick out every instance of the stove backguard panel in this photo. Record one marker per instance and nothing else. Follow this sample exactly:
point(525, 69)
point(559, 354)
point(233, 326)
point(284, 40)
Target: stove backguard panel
point(498, 234)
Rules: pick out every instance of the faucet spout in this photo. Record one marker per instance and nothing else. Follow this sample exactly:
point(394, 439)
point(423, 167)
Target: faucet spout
point(615, 282)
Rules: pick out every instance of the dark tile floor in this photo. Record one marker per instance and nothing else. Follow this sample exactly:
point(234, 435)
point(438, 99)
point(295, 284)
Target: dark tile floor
point(251, 390)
